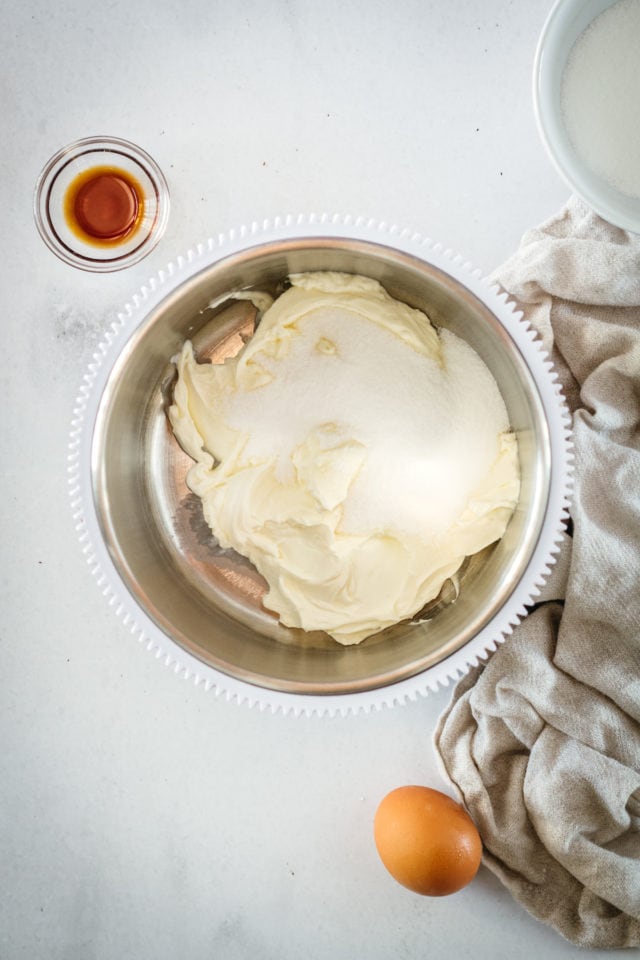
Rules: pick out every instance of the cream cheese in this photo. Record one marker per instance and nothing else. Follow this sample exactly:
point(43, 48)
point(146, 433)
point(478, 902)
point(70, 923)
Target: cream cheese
point(353, 453)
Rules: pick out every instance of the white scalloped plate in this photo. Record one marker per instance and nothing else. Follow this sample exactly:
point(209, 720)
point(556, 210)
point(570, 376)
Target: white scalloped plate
point(99, 559)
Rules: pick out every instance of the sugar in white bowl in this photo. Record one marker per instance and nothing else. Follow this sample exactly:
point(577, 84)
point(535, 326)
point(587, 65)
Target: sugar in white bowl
point(587, 102)
point(601, 96)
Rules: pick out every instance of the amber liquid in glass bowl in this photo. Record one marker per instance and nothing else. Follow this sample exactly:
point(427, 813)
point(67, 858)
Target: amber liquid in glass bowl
point(104, 205)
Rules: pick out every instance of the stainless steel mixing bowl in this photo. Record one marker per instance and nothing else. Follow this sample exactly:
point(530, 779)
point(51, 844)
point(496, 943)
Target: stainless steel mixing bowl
point(209, 600)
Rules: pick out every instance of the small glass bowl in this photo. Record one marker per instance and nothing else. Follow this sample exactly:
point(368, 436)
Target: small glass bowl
point(57, 179)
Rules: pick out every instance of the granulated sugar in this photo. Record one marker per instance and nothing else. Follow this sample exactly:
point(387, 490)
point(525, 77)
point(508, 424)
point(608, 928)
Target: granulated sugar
point(354, 455)
point(601, 96)
point(430, 429)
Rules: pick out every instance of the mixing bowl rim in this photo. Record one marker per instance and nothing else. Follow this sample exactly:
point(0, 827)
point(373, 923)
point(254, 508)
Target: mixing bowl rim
point(165, 284)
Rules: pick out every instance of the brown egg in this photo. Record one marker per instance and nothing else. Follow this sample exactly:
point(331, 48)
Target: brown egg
point(427, 841)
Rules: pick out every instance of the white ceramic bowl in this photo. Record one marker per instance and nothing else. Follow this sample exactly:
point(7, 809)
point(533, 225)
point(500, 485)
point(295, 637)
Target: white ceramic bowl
point(566, 21)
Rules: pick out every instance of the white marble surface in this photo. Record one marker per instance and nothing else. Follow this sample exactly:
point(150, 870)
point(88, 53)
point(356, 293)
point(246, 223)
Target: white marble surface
point(140, 817)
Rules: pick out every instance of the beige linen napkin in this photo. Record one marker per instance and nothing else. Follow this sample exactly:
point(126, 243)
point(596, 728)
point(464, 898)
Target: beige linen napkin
point(543, 742)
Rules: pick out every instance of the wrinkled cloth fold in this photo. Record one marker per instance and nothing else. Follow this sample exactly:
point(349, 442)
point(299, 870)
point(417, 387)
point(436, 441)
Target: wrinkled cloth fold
point(542, 740)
